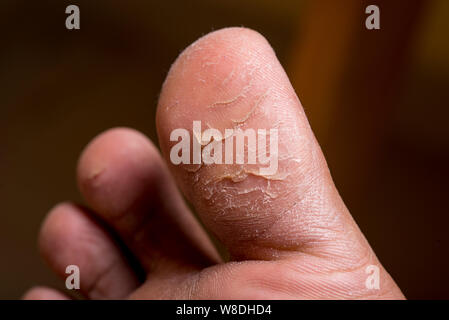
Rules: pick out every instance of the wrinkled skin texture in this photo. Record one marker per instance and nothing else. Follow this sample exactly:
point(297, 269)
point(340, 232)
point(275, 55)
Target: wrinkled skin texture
point(288, 234)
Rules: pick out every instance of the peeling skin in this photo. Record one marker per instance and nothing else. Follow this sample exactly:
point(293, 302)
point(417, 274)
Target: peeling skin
point(223, 80)
point(260, 189)
point(227, 102)
point(243, 174)
point(209, 183)
point(241, 95)
point(241, 121)
point(238, 88)
point(235, 174)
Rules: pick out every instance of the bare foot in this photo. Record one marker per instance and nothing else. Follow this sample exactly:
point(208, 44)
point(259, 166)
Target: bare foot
point(289, 234)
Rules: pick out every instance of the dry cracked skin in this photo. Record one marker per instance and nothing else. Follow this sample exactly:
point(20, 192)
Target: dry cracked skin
point(288, 232)
point(244, 80)
point(233, 80)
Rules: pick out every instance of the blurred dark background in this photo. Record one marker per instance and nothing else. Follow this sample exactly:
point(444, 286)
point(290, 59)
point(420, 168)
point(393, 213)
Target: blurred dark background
point(377, 101)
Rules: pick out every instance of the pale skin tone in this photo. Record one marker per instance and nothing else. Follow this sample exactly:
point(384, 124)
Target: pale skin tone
point(289, 236)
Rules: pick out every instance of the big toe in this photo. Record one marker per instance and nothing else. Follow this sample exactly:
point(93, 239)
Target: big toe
point(231, 79)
